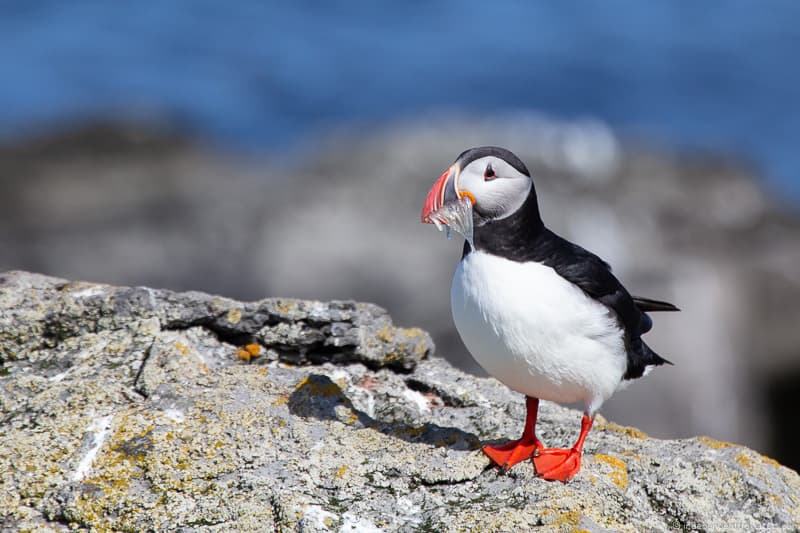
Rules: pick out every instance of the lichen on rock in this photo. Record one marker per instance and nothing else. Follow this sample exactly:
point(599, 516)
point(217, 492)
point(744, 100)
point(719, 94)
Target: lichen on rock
point(132, 409)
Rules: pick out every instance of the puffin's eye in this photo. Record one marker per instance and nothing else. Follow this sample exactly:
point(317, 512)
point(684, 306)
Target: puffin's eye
point(488, 174)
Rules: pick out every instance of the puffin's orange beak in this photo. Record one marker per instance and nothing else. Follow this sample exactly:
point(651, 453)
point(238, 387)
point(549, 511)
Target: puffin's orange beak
point(444, 190)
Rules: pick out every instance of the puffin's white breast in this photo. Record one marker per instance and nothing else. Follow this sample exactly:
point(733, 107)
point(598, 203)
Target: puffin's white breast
point(535, 331)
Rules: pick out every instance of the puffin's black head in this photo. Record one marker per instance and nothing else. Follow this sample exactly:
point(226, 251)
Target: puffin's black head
point(494, 179)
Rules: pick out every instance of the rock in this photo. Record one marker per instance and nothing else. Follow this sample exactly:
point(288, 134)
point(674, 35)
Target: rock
point(137, 410)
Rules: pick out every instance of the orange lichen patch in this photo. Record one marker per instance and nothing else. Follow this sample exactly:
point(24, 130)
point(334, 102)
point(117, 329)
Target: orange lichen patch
point(340, 472)
point(714, 443)
point(234, 316)
point(619, 470)
point(263, 371)
point(625, 430)
point(248, 352)
point(182, 348)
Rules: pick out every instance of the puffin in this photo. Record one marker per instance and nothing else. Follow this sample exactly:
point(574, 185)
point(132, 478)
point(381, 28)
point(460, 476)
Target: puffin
point(541, 314)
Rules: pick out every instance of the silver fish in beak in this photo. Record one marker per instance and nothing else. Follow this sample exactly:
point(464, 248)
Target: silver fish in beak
point(446, 206)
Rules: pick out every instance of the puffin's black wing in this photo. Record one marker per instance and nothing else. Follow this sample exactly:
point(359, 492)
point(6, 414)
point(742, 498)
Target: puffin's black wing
point(594, 277)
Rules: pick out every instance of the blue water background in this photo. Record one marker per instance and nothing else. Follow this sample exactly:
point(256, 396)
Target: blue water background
point(258, 75)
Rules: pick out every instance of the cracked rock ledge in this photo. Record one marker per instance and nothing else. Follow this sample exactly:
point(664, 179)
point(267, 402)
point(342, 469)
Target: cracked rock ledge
point(135, 409)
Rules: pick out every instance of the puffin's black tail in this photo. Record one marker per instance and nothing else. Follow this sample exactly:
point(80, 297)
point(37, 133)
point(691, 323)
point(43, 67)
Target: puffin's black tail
point(640, 357)
point(648, 304)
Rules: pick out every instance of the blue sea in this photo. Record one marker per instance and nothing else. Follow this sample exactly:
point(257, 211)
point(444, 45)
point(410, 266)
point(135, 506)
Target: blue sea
point(255, 75)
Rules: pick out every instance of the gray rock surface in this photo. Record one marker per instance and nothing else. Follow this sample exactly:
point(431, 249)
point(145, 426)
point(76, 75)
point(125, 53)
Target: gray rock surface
point(136, 409)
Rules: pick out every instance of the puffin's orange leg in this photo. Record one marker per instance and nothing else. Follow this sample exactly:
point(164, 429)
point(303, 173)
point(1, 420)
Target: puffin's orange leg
point(561, 464)
point(507, 455)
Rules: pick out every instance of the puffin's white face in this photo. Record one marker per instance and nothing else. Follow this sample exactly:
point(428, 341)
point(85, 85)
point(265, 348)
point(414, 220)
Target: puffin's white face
point(496, 188)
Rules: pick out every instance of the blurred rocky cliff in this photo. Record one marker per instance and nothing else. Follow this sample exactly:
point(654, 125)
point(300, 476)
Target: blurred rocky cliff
point(340, 219)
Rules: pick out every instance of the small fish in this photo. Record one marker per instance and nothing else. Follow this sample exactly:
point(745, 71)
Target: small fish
point(457, 216)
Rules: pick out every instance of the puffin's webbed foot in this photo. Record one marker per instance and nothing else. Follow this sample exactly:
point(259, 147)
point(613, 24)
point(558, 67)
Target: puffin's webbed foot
point(557, 464)
point(507, 455)
point(561, 464)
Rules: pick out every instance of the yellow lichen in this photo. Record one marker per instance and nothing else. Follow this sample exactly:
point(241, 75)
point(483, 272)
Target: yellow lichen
point(182, 348)
point(234, 316)
point(385, 334)
point(568, 518)
point(770, 461)
point(413, 333)
point(113, 470)
point(283, 399)
point(318, 389)
point(340, 472)
point(625, 430)
point(284, 307)
point(714, 443)
point(744, 460)
point(619, 470)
